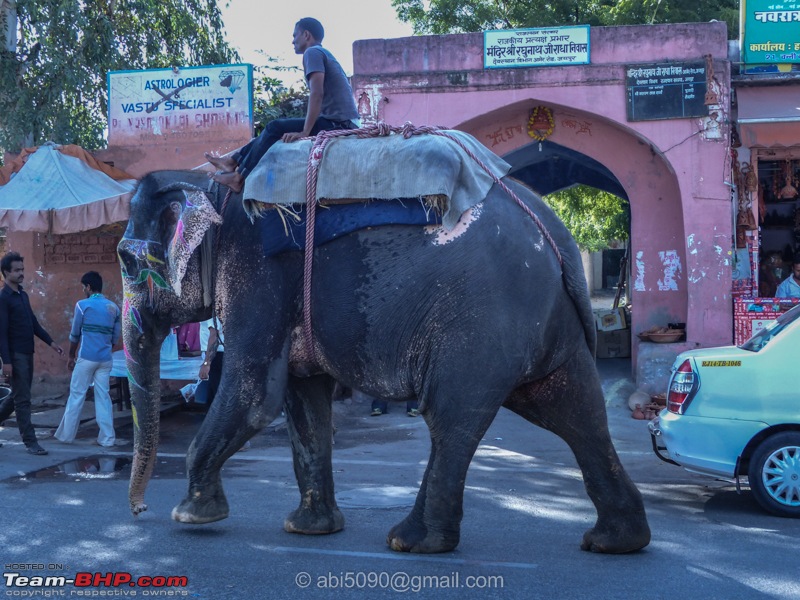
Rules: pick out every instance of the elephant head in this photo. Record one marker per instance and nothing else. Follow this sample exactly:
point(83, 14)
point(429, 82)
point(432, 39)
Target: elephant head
point(170, 215)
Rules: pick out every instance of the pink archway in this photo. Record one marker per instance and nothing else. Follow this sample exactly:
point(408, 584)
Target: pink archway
point(647, 179)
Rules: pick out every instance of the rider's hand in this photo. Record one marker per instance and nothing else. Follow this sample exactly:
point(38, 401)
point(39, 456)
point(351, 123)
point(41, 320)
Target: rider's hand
point(293, 136)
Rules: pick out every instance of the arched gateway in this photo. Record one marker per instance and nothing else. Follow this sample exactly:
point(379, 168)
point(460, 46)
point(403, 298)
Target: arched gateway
point(673, 171)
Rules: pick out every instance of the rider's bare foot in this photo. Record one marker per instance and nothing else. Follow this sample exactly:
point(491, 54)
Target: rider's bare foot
point(223, 163)
point(233, 180)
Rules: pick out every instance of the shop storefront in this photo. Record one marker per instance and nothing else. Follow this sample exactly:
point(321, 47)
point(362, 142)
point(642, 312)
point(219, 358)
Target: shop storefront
point(766, 162)
point(767, 178)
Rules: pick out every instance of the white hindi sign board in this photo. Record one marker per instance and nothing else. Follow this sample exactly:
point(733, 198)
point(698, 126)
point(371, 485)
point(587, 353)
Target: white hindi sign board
point(182, 105)
point(544, 47)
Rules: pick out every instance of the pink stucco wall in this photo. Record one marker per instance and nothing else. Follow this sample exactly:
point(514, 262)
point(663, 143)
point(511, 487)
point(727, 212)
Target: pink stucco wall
point(140, 160)
point(673, 171)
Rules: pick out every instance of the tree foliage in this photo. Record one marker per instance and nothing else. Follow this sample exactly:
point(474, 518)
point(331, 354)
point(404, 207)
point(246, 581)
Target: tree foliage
point(462, 16)
point(272, 99)
point(53, 86)
point(592, 216)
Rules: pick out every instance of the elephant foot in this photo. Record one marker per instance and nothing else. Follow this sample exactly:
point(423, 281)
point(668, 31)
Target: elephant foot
point(314, 522)
point(202, 507)
point(412, 536)
point(138, 508)
point(618, 537)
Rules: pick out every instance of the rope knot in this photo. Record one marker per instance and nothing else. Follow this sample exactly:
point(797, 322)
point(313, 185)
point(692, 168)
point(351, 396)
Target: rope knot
point(382, 129)
point(408, 129)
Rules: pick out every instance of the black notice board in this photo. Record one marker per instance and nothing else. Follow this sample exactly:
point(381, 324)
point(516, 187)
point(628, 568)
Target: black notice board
point(666, 91)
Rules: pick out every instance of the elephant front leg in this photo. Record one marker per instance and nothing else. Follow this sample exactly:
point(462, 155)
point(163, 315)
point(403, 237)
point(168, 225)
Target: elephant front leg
point(308, 416)
point(205, 503)
point(241, 408)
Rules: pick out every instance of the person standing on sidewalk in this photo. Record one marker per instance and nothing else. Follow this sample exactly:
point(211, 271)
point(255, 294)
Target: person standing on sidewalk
point(18, 326)
point(212, 344)
point(97, 327)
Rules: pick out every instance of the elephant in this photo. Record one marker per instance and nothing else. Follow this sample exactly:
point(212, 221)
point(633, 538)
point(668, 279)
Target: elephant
point(467, 321)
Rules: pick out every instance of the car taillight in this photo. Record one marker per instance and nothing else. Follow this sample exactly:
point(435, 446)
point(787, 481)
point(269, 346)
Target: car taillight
point(680, 388)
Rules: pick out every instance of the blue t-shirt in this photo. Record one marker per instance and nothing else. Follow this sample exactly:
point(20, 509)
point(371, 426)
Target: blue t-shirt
point(338, 103)
point(788, 288)
point(97, 325)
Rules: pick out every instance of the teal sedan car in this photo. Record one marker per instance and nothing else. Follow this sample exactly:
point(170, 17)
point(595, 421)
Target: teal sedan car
point(734, 413)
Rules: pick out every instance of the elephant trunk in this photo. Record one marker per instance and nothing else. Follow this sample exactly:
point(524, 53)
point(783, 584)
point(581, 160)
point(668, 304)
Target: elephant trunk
point(143, 354)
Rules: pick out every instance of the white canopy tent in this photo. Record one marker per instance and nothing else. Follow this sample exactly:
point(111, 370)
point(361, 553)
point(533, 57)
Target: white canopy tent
point(57, 193)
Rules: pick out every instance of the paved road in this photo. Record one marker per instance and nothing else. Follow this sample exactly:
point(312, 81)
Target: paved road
point(525, 513)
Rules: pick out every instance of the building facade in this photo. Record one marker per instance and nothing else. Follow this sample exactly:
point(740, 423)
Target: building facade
point(674, 172)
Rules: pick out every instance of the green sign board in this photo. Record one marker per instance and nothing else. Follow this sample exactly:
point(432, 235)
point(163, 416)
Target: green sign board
point(771, 32)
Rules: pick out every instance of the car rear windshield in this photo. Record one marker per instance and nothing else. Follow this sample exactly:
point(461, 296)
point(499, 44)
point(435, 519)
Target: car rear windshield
point(763, 337)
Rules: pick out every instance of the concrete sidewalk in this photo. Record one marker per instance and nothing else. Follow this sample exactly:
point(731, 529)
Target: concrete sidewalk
point(46, 417)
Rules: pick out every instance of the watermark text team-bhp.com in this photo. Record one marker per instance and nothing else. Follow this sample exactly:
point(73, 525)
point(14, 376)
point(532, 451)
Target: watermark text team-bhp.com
point(21, 583)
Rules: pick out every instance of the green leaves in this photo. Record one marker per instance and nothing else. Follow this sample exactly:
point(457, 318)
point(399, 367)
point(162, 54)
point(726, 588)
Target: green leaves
point(53, 87)
point(634, 12)
point(272, 100)
point(461, 16)
point(593, 217)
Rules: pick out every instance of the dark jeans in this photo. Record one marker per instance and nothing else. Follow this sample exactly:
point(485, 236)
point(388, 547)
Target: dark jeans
point(206, 390)
point(250, 154)
point(20, 399)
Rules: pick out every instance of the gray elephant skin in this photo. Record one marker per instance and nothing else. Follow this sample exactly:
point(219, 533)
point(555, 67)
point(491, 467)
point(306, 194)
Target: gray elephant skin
point(465, 321)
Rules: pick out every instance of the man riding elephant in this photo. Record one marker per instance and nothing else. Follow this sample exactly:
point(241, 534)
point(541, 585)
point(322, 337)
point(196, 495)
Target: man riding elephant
point(330, 106)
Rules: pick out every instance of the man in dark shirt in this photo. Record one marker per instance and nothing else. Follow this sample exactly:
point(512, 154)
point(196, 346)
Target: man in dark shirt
point(18, 325)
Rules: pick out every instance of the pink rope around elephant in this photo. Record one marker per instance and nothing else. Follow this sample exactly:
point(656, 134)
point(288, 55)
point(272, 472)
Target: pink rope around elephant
point(378, 130)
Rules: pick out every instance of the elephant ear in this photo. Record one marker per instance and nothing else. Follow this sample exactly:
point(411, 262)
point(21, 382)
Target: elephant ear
point(196, 217)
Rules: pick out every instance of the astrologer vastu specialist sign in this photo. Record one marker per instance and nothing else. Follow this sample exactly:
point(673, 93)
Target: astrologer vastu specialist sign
point(180, 105)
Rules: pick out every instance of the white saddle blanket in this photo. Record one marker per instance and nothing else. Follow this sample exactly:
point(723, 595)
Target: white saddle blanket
point(381, 168)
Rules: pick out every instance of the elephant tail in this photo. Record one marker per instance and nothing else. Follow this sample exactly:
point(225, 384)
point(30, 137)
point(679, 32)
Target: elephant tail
point(570, 259)
point(578, 291)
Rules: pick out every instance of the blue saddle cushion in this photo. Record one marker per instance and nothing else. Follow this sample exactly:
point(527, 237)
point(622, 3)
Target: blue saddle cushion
point(337, 220)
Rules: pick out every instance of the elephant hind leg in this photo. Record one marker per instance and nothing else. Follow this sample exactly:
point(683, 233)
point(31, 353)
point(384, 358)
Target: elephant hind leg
point(458, 417)
point(569, 402)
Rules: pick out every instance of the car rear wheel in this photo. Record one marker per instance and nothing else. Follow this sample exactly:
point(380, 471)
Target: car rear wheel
point(775, 474)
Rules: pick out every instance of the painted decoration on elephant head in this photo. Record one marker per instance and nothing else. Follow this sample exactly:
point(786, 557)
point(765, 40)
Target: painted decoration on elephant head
point(196, 217)
point(147, 273)
point(131, 314)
